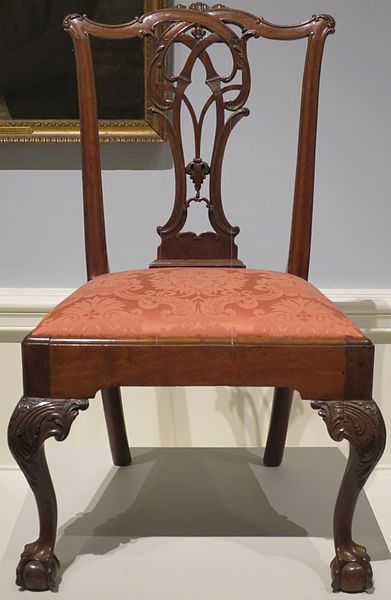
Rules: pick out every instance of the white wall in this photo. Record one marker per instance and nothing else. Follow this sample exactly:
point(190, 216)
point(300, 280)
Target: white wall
point(41, 232)
point(40, 185)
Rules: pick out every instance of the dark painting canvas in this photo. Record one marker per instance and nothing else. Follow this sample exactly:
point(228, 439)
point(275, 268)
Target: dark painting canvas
point(37, 70)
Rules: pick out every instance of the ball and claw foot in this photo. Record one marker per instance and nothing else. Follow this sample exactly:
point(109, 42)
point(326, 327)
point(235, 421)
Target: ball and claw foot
point(352, 571)
point(37, 571)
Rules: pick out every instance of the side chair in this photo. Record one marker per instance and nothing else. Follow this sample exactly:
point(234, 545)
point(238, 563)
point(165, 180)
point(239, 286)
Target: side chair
point(197, 316)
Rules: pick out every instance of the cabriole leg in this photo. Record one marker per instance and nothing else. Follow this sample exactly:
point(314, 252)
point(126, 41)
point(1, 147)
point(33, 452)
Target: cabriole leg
point(33, 421)
point(361, 423)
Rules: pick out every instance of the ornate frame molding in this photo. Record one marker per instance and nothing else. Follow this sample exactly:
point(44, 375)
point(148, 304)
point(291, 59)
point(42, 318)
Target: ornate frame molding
point(148, 130)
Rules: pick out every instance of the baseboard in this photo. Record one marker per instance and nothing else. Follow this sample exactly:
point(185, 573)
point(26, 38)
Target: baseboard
point(369, 308)
point(22, 308)
point(381, 467)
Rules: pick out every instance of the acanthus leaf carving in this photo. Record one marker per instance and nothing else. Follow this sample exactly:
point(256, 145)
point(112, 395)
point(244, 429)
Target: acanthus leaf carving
point(33, 421)
point(359, 422)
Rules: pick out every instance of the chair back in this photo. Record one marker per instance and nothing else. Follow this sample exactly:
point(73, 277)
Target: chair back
point(198, 28)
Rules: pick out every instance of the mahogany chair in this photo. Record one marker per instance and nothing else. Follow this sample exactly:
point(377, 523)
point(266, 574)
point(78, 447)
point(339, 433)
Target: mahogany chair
point(197, 317)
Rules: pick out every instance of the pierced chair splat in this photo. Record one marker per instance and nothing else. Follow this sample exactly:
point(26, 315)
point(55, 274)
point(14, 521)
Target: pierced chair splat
point(197, 316)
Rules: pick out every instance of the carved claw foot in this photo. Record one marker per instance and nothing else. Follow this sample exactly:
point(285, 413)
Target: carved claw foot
point(351, 570)
point(361, 423)
point(35, 420)
point(37, 569)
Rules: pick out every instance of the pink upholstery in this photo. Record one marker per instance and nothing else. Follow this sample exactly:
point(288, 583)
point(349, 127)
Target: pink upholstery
point(200, 303)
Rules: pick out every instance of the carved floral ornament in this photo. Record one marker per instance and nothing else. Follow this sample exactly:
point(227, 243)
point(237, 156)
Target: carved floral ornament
point(202, 7)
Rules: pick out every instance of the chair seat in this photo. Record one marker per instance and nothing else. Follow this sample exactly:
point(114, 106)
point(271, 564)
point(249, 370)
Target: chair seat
point(197, 303)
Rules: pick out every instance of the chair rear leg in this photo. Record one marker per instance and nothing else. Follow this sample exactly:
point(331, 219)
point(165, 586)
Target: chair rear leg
point(275, 445)
point(116, 429)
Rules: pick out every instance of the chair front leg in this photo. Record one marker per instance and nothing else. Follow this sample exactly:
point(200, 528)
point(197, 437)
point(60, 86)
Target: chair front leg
point(361, 423)
point(33, 421)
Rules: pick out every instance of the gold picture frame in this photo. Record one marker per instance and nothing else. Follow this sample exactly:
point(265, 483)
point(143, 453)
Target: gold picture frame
point(146, 129)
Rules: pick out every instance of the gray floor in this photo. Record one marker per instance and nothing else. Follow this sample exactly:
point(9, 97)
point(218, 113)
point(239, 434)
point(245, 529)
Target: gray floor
point(195, 523)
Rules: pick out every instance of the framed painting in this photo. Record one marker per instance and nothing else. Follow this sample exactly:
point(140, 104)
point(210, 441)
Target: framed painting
point(38, 89)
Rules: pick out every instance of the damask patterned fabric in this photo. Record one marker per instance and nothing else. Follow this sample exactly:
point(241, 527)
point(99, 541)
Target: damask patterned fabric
point(197, 303)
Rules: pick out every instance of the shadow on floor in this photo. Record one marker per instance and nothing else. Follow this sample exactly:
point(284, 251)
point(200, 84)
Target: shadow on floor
point(215, 492)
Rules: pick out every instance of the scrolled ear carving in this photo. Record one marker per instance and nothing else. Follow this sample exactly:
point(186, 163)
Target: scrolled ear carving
point(329, 20)
point(73, 25)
